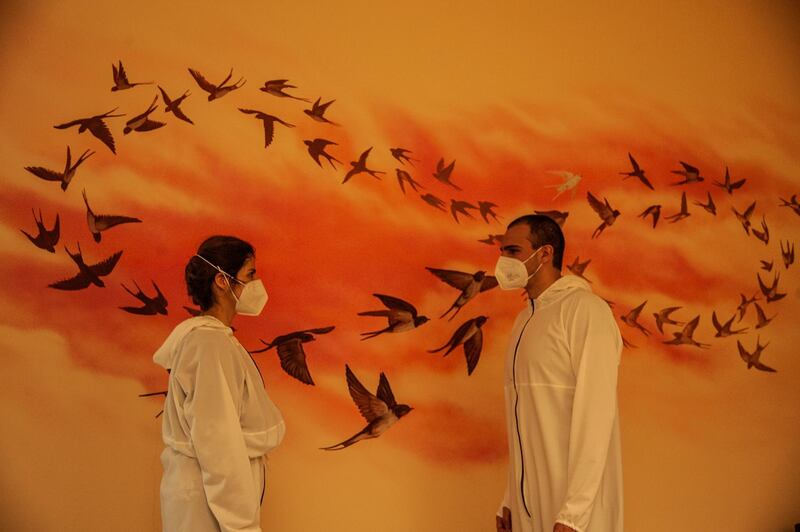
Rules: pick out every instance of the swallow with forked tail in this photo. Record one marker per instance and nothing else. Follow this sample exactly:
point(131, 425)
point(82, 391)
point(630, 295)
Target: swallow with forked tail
point(604, 210)
point(743, 304)
point(637, 172)
point(102, 222)
point(45, 239)
point(291, 352)
point(269, 123)
point(317, 112)
point(767, 266)
point(787, 254)
point(316, 148)
point(683, 213)
point(173, 106)
point(381, 411)
point(690, 174)
point(459, 206)
point(151, 305)
point(771, 292)
point(685, 336)
point(405, 177)
point(792, 203)
point(753, 359)
point(652, 210)
point(401, 314)
point(744, 217)
point(577, 267)
point(219, 90)
point(433, 201)
point(87, 274)
point(277, 87)
point(632, 317)
point(121, 78)
point(96, 126)
point(764, 234)
point(763, 320)
point(727, 184)
point(487, 209)
point(724, 330)
point(444, 173)
point(470, 285)
point(361, 166)
point(64, 177)
point(142, 122)
point(401, 154)
point(470, 335)
point(662, 317)
point(709, 207)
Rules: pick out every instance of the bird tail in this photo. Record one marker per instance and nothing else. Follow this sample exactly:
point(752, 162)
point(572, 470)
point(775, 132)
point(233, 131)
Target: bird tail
point(373, 334)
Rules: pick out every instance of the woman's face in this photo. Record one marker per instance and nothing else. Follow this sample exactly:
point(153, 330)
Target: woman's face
point(245, 274)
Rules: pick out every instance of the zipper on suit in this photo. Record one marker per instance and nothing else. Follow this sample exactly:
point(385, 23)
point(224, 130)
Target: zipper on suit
point(516, 411)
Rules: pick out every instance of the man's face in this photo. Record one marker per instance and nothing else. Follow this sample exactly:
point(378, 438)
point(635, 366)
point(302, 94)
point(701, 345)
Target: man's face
point(515, 242)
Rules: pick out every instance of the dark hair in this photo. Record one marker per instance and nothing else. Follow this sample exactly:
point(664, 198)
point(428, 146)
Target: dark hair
point(227, 252)
point(544, 230)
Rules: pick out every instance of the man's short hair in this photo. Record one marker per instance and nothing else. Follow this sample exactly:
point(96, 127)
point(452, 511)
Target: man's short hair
point(544, 230)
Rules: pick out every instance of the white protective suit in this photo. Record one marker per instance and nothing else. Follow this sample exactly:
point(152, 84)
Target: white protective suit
point(218, 423)
point(565, 462)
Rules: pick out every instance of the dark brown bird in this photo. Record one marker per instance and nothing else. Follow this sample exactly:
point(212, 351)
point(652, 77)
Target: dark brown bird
point(380, 412)
point(150, 305)
point(560, 217)
point(770, 293)
point(401, 314)
point(652, 210)
point(492, 240)
point(487, 209)
point(725, 330)
point(216, 91)
point(361, 166)
point(173, 106)
point(743, 304)
point(470, 335)
point(605, 211)
point(577, 267)
point(762, 317)
point(277, 87)
point(709, 207)
point(291, 352)
point(433, 201)
point(269, 123)
point(762, 235)
point(470, 285)
point(632, 319)
point(316, 148)
point(744, 217)
point(96, 126)
point(684, 212)
point(317, 112)
point(627, 343)
point(164, 393)
point(637, 172)
point(121, 78)
point(45, 239)
point(405, 177)
point(142, 121)
point(753, 359)
point(787, 254)
point(792, 204)
point(663, 316)
point(65, 177)
point(87, 274)
point(459, 206)
point(727, 185)
point(102, 222)
point(766, 266)
point(690, 174)
point(401, 154)
point(443, 173)
point(685, 336)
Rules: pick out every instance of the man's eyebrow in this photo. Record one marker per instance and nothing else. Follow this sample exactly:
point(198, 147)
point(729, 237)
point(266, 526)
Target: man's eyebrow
point(252, 270)
point(508, 247)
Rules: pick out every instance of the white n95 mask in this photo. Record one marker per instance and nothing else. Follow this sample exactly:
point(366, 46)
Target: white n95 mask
point(511, 273)
point(254, 295)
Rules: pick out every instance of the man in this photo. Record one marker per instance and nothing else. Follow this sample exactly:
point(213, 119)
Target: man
point(565, 465)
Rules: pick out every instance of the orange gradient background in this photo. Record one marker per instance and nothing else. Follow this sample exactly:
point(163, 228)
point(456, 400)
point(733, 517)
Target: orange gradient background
point(511, 92)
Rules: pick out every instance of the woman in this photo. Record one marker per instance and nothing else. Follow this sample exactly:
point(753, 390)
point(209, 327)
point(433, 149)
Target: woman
point(218, 419)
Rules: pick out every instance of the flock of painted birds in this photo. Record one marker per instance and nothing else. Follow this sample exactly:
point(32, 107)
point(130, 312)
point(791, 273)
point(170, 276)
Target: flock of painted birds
point(381, 410)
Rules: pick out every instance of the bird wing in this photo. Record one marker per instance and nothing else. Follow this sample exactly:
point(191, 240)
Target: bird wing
point(489, 282)
point(100, 130)
point(44, 173)
point(456, 279)
point(395, 303)
point(370, 406)
point(107, 266)
point(320, 330)
point(202, 82)
point(691, 326)
point(269, 132)
point(472, 350)
point(103, 222)
point(743, 352)
point(385, 391)
point(146, 310)
point(598, 207)
point(715, 321)
point(689, 168)
point(150, 125)
point(293, 360)
point(78, 282)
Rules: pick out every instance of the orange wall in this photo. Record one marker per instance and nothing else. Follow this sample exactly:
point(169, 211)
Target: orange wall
point(511, 93)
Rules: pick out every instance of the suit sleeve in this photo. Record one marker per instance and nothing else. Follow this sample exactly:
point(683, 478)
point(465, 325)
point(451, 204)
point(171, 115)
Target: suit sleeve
point(595, 347)
point(212, 415)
